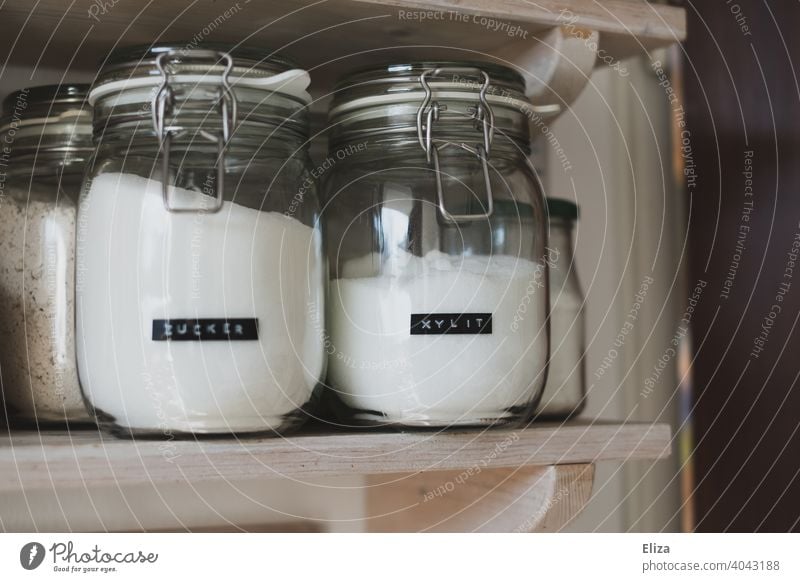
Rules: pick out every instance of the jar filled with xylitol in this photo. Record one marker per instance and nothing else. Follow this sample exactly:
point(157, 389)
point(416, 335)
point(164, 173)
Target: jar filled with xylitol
point(45, 142)
point(436, 233)
point(565, 392)
point(200, 273)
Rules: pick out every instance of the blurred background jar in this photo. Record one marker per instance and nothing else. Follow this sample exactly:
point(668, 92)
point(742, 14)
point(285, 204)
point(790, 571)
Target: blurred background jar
point(201, 274)
point(436, 233)
point(46, 137)
point(565, 391)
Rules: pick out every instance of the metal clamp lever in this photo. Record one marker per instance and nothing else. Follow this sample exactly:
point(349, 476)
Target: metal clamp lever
point(163, 104)
point(484, 117)
point(481, 153)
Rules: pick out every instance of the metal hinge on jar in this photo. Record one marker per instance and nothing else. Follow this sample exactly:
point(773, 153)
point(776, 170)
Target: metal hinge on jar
point(428, 114)
point(163, 104)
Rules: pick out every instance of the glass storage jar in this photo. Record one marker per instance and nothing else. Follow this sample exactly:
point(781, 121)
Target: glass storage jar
point(565, 391)
point(436, 232)
point(46, 137)
point(200, 269)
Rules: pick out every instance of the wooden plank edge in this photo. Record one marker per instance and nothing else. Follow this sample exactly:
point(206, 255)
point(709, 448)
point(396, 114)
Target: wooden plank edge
point(117, 463)
point(628, 17)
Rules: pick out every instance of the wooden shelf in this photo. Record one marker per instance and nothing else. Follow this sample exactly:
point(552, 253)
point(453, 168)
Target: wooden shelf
point(543, 473)
point(31, 460)
point(328, 38)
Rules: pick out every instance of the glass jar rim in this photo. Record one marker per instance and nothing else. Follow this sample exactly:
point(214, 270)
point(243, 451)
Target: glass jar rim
point(560, 208)
point(48, 122)
point(46, 97)
point(204, 63)
point(397, 100)
point(45, 106)
point(185, 82)
point(410, 71)
point(393, 84)
point(142, 58)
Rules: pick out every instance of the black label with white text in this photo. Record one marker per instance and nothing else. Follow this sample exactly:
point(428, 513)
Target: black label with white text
point(205, 329)
point(451, 323)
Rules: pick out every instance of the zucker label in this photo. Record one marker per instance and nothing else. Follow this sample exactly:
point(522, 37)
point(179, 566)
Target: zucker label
point(205, 329)
point(451, 323)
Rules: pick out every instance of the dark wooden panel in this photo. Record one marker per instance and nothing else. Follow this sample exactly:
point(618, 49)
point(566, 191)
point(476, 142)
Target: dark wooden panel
point(742, 95)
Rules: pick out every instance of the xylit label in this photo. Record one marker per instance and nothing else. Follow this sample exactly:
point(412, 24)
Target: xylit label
point(451, 323)
point(205, 329)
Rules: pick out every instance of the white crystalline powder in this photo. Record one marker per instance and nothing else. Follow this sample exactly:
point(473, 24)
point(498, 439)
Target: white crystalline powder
point(37, 360)
point(376, 365)
point(138, 263)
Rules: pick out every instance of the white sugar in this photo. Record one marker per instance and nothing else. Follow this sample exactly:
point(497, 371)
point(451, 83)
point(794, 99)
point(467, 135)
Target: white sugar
point(377, 365)
point(138, 263)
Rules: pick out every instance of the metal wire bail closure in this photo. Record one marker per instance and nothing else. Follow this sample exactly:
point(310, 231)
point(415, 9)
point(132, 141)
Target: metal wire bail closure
point(163, 104)
point(482, 113)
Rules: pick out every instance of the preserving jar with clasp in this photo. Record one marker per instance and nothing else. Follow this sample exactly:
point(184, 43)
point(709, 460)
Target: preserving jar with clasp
point(436, 234)
point(200, 270)
point(45, 142)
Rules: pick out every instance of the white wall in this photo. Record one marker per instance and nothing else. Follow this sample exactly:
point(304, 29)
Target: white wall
point(617, 138)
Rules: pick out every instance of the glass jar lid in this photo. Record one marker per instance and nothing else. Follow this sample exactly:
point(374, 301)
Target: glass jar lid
point(405, 78)
point(514, 210)
point(558, 208)
point(140, 60)
point(209, 99)
point(214, 87)
point(458, 106)
point(52, 123)
point(394, 102)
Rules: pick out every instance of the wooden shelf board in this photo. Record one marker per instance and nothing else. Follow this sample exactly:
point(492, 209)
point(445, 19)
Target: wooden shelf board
point(636, 18)
point(329, 38)
point(31, 460)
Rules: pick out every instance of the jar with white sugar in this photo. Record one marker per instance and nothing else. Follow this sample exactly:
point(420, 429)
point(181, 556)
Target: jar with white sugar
point(45, 142)
point(565, 391)
point(436, 233)
point(200, 272)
